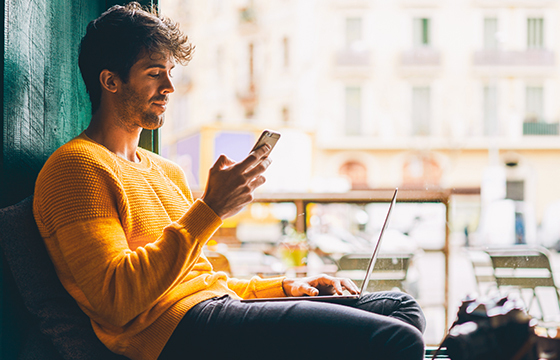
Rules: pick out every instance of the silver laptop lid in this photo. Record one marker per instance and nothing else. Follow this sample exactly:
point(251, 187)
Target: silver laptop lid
point(378, 244)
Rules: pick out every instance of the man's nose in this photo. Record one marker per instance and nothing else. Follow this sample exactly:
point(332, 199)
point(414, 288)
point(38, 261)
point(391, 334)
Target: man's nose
point(167, 87)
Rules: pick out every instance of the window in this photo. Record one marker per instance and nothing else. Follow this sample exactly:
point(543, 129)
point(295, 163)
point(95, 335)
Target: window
point(251, 52)
point(220, 62)
point(490, 34)
point(286, 51)
point(535, 33)
point(421, 170)
point(421, 32)
point(353, 110)
point(490, 109)
point(515, 190)
point(421, 111)
point(286, 115)
point(534, 104)
point(353, 31)
point(357, 173)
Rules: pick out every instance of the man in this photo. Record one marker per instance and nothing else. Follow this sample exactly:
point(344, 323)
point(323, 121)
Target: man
point(127, 237)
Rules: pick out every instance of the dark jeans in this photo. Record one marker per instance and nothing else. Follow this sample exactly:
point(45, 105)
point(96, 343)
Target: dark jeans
point(382, 325)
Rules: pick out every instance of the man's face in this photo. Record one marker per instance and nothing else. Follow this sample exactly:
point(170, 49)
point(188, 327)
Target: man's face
point(145, 95)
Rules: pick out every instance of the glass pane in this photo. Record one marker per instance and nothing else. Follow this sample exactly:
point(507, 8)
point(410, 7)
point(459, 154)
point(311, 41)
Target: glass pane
point(534, 104)
point(421, 32)
point(353, 31)
point(421, 111)
point(353, 110)
point(535, 33)
point(425, 31)
point(490, 32)
point(490, 103)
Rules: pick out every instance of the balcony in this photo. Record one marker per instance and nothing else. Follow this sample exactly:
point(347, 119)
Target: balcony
point(421, 3)
point(514, 58)
point(352, 4)
point(353, 58)
point(540, 128)
point(420, 61)
point(421, 57)
point(520, 3)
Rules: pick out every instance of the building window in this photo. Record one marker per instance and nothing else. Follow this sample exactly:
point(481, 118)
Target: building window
point(421, 111)
point(353, 32)
point(490, 109)
point(353, 110)
point(490, 34)
point(421, 32)
point(220, 62)
point(534, 104)
point(356, 173)
point(286, 115)
point(421, 170)
point(251, 52)
point(515, 190)
point(535, 33)
point(286, 51)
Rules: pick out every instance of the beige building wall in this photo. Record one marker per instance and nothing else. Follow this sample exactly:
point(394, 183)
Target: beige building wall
point(291, 65)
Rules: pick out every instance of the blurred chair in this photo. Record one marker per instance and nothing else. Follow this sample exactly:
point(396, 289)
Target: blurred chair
point(522, 268)
point(219, 261)
point(483, 271)
point(389, 272)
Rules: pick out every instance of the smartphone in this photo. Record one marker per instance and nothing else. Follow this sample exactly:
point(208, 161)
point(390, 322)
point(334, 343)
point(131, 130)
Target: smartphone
point(267, 137)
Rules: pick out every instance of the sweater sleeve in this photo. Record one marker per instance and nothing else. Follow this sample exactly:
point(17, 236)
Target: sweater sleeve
point(257, 287)
point(77, 207)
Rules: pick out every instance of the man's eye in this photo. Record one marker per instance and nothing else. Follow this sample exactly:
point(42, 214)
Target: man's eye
point(154, 75)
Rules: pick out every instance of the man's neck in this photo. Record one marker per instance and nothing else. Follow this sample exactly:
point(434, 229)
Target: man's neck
point(123, 142)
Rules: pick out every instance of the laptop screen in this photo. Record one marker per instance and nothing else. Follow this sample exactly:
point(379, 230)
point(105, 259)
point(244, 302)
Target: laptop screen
point(378, 244)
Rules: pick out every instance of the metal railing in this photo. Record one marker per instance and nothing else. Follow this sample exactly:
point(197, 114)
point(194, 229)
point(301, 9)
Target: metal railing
point(540, 128)
point(514, 58)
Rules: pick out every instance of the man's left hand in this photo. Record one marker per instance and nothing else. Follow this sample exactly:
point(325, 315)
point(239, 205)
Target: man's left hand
point(318, 285)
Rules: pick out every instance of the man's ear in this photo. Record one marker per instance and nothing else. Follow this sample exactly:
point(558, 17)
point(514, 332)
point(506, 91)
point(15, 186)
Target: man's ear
point(109, 80)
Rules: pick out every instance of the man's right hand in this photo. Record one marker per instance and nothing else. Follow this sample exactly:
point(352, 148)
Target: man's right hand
point(230, 185)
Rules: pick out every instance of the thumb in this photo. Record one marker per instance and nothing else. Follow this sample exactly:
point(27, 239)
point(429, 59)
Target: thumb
point(222, 162)
point(310, 290)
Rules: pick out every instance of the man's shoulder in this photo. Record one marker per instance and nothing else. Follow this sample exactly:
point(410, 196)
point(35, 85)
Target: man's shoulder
point(80, 151)
point(76, 158)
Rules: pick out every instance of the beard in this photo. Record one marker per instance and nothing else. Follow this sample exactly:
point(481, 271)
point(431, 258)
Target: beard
point(134, 111)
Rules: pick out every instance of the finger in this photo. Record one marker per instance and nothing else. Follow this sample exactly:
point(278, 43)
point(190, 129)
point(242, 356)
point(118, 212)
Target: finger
point(337, 286)
point(265, 147)
point(255, 156)
point(350, 286)
point(327, 283)
point(309, 290)
point(258, 181)
point(222, 162)
point(259, 168)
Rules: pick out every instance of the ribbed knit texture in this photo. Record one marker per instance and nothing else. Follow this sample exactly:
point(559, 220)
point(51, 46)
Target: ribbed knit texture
point(126, 240)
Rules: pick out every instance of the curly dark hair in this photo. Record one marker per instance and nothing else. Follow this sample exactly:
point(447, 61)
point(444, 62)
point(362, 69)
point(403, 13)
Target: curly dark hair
point(115, 40)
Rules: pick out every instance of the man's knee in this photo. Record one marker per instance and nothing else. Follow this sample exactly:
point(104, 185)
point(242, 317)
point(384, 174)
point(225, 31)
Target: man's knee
point(416, 317)
point(395, 304)
point(406, 342)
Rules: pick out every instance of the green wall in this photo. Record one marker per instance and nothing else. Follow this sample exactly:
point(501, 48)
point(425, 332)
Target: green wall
point(45, 102)
point(44, 106)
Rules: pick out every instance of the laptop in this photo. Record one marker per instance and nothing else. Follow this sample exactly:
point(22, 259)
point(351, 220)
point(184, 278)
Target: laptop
point(342, 298)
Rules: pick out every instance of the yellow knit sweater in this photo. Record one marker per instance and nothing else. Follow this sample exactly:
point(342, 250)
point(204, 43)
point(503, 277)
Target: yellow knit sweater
point(126, 240)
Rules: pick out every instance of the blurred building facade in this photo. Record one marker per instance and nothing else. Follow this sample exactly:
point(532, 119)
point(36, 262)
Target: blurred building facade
point(375, 94)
